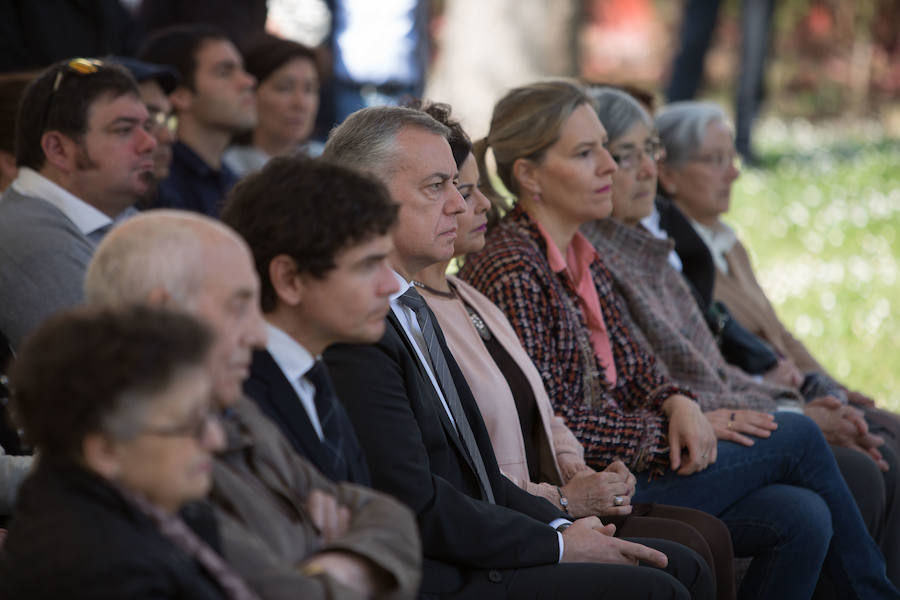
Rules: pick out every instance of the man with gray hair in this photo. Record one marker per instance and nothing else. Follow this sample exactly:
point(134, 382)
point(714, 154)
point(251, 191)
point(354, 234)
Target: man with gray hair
point(424, 438)
point(286, 529)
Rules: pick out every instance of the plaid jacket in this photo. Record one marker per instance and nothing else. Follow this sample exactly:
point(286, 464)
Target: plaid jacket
point(662, 314)
point(625, 421)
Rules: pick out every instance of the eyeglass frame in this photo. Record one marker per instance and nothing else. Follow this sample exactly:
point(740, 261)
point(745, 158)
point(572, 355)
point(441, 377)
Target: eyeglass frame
point(195, 427)
point(652, 147)
point(719, 161)
point(162, 119)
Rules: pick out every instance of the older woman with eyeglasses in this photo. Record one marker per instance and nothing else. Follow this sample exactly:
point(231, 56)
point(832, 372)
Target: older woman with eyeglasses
point(697, 174)
point(784, 500)
point(119, 408)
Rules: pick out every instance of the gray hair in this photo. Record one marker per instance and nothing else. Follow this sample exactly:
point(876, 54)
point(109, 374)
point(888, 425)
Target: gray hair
point(618, 111)
point(682, 127)
point(156, 250)
point(366, 140)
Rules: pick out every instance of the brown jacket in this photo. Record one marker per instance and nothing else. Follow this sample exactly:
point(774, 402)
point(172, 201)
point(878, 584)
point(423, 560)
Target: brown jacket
point(747, 302)
point(663, 313)
point(260, 486)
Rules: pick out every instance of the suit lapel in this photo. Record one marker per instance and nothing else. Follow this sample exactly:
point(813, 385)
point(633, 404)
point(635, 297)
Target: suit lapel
point(279, 400)
point(435, 401)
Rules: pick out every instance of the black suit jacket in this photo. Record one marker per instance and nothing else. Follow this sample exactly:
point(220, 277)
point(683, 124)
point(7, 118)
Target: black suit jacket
point(277, 399)
point(697, 262)
point(415, 454)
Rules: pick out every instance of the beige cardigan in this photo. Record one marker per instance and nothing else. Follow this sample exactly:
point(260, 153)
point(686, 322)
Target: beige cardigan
point(559, 451)
point(747, 302)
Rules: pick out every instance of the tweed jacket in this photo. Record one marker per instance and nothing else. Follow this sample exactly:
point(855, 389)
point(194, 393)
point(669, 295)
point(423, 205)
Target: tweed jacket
point(748, 303)
point(624, 421)
point(260, 487)
point(659, 307)
point(494, 398)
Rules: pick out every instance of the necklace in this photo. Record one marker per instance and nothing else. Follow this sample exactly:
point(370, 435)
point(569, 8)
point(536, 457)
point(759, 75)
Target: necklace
point(451, 294)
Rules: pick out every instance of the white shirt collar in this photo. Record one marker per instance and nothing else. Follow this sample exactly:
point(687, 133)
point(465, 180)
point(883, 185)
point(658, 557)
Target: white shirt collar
point(85, 217)
point(404, 285)
point(293, 359)
point(651, 224)
point(720, 239)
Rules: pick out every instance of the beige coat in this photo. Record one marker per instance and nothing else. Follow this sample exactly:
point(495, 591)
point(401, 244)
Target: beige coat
point(260, 487)
point(558, 447)
point(747, 302)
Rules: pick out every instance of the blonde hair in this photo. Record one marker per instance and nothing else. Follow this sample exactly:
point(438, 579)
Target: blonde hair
point(527, 121)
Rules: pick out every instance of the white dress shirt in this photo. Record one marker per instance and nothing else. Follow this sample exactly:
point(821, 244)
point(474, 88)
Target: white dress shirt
point(651, 224)
point(295, 361)
point(720, 239)
point(84, 216)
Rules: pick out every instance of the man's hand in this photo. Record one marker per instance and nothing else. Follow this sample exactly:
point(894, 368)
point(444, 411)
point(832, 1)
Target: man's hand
point(352, 570)
point(690, 433)
point(859, 399)
point(785, 373)
point(332, 519)
point(592, 493)
point(732, 424)
point(589, 540)
point(845, 426)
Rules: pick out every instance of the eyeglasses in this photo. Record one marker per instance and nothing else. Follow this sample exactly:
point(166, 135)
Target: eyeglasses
point(719, 160)
point(631, 156)
point(79, 66)
point(194, 427)
point(162, 120)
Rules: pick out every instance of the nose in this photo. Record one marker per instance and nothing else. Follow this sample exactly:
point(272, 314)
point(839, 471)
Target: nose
point(455, 204)
point(247, 80)
point(146, 141)
point(254, 330)
point(213, 435)
point(164, 135)
point(482, 203)
point(605, 163)
point(647, 166)
point(388, 284)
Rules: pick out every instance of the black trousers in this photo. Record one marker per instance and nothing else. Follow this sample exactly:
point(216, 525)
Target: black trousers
point(687, 576)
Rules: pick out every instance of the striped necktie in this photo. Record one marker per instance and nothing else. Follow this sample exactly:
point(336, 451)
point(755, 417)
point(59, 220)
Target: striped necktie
point(414, 301)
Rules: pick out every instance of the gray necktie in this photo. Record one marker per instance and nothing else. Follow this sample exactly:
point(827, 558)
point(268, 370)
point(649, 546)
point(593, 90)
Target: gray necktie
point(413, 300)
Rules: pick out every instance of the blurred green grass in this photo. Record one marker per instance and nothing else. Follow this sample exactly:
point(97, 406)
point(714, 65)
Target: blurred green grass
point(820, 218)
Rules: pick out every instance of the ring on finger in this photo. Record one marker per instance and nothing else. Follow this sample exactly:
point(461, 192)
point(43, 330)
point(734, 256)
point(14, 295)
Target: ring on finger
point(618, 500)
point(730, 424)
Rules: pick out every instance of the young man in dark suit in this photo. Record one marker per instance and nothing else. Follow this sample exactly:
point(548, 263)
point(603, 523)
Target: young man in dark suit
point(425, 440)
point(320, 236)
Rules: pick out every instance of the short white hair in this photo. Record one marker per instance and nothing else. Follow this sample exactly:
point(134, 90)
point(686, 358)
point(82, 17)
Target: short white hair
point(682, 127)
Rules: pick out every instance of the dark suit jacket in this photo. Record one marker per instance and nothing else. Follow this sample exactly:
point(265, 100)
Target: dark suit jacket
point(697, 263)
point(275, 396)
point(415, 454)
point(74, 536)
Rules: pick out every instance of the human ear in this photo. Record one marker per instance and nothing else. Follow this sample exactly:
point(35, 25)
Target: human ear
point(181, 99)
point(525, 173)
point(286, 280)
point(100, 456)
point(59, 150)
point(667, 178)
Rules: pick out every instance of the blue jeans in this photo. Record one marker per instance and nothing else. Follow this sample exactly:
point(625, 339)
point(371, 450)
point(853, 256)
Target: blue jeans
point(786, 505)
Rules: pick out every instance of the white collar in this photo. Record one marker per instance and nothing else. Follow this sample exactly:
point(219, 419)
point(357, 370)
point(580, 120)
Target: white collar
point(651, 224)
point(85, 217)
point(404, 285)
point(720, 239)
point(293, 359)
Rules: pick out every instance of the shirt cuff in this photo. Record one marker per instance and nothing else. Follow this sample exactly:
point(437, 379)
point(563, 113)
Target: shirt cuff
point(554, 524)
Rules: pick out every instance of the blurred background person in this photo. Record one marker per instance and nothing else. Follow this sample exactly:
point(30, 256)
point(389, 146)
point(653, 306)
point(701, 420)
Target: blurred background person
point(697, 26)
point(213, 101)
point(287, 101)
point(129, 448)
point(155, 83)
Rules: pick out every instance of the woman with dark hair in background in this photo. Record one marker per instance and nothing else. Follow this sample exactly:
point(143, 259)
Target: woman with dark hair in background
point(287, 101)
